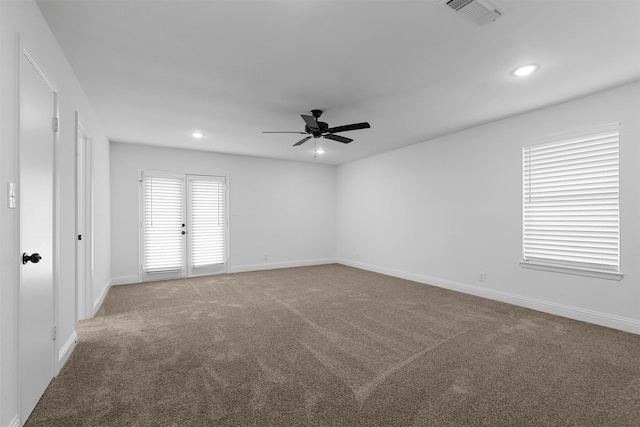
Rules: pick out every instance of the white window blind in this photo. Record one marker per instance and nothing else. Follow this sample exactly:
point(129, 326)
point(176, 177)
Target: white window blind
point(570, 206)
point(207, 220)
point(163, 218)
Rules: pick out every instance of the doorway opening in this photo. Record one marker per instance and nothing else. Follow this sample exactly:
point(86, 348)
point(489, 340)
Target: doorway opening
point(84, 223)
point(183, 223)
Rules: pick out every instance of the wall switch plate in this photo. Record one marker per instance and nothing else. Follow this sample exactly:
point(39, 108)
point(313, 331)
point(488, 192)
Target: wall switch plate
point(11, 190)
point(266, 256)
point(483, 276)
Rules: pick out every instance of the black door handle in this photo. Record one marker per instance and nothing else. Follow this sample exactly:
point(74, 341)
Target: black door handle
point(184, 232)
point(35, 258)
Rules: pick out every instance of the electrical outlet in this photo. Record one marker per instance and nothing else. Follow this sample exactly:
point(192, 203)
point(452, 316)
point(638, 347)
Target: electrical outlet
point(266, 256)
point(483, 276)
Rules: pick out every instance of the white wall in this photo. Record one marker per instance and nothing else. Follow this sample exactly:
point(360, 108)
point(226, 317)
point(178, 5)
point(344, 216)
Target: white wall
point(443, 210)
point(437, 212)
point(285, 209)
point(24, 18)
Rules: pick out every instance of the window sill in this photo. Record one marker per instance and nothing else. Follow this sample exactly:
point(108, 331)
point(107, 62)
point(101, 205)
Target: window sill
point(568, 270)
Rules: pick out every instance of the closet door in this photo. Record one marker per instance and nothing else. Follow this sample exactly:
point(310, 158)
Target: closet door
point(163, 226)
point(206, 225)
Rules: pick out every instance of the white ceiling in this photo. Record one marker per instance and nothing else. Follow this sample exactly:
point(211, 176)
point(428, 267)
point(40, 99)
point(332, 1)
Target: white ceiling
point(156, 70)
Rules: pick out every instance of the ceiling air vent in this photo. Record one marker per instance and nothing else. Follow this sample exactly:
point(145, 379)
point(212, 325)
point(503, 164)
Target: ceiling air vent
point(478, 11)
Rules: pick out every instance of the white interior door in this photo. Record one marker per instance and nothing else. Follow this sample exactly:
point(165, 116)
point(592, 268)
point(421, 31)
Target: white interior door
point(36, 296)
point(184, 227)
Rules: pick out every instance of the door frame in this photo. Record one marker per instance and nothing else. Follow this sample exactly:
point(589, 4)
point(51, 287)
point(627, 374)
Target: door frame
point(84, 222)
point(23, 55)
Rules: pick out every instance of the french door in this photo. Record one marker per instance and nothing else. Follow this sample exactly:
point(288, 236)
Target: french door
point(184, 226)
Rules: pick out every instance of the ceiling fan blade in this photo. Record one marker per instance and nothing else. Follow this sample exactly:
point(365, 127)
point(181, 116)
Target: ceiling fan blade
point(338, 138)
point(285, 131)
point(302, 141)
point(311, 122)
point(345, 128)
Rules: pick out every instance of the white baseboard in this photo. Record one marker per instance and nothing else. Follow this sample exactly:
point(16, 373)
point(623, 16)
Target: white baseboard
point(576, 313)
point(67, 349)
point(276, 265)
point(98, 301)
point(15, 422)
point(125, 280)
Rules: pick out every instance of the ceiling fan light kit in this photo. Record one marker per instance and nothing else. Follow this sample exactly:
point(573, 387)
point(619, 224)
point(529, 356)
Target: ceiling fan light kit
point(318, 129)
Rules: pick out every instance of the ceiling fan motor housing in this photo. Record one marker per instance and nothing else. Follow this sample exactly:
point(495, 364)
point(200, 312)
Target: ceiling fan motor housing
point(317, 133)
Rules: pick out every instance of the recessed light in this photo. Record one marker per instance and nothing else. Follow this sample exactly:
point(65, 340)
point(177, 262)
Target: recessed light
point(525, 70)
point(197, 134)
point(319, 151)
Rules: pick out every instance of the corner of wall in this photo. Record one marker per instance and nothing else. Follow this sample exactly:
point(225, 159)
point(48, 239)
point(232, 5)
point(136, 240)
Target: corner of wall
point(98, 301)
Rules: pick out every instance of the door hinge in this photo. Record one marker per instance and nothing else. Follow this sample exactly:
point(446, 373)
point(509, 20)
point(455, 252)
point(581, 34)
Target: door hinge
point(54, 332)
point(55, 124)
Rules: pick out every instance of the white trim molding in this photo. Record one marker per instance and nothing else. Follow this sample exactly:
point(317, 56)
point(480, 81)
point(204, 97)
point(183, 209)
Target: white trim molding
point(568, 270)
point(276, 265)
point(125, 280)
point(15, 422)
point(576, 313)
point(66, 350)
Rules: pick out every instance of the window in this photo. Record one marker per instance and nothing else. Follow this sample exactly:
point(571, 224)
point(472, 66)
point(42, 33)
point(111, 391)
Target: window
point(570, 203)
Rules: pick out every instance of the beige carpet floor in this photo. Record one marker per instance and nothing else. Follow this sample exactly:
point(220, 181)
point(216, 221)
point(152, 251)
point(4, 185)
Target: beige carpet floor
point(334, 345)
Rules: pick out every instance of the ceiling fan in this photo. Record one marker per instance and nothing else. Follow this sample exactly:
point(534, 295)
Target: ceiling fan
point(316, 129)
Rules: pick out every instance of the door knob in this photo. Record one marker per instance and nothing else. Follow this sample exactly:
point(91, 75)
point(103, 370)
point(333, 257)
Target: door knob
point(35, 258)
point(184, 232)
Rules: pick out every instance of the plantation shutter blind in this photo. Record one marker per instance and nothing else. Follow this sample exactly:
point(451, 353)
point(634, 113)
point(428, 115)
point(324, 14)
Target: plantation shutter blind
point(163, 219)
point(571, 201)
point(207, 220)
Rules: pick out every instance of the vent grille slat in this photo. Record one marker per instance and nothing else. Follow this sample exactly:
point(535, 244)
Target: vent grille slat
point(477, 11)
point(458, 4)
